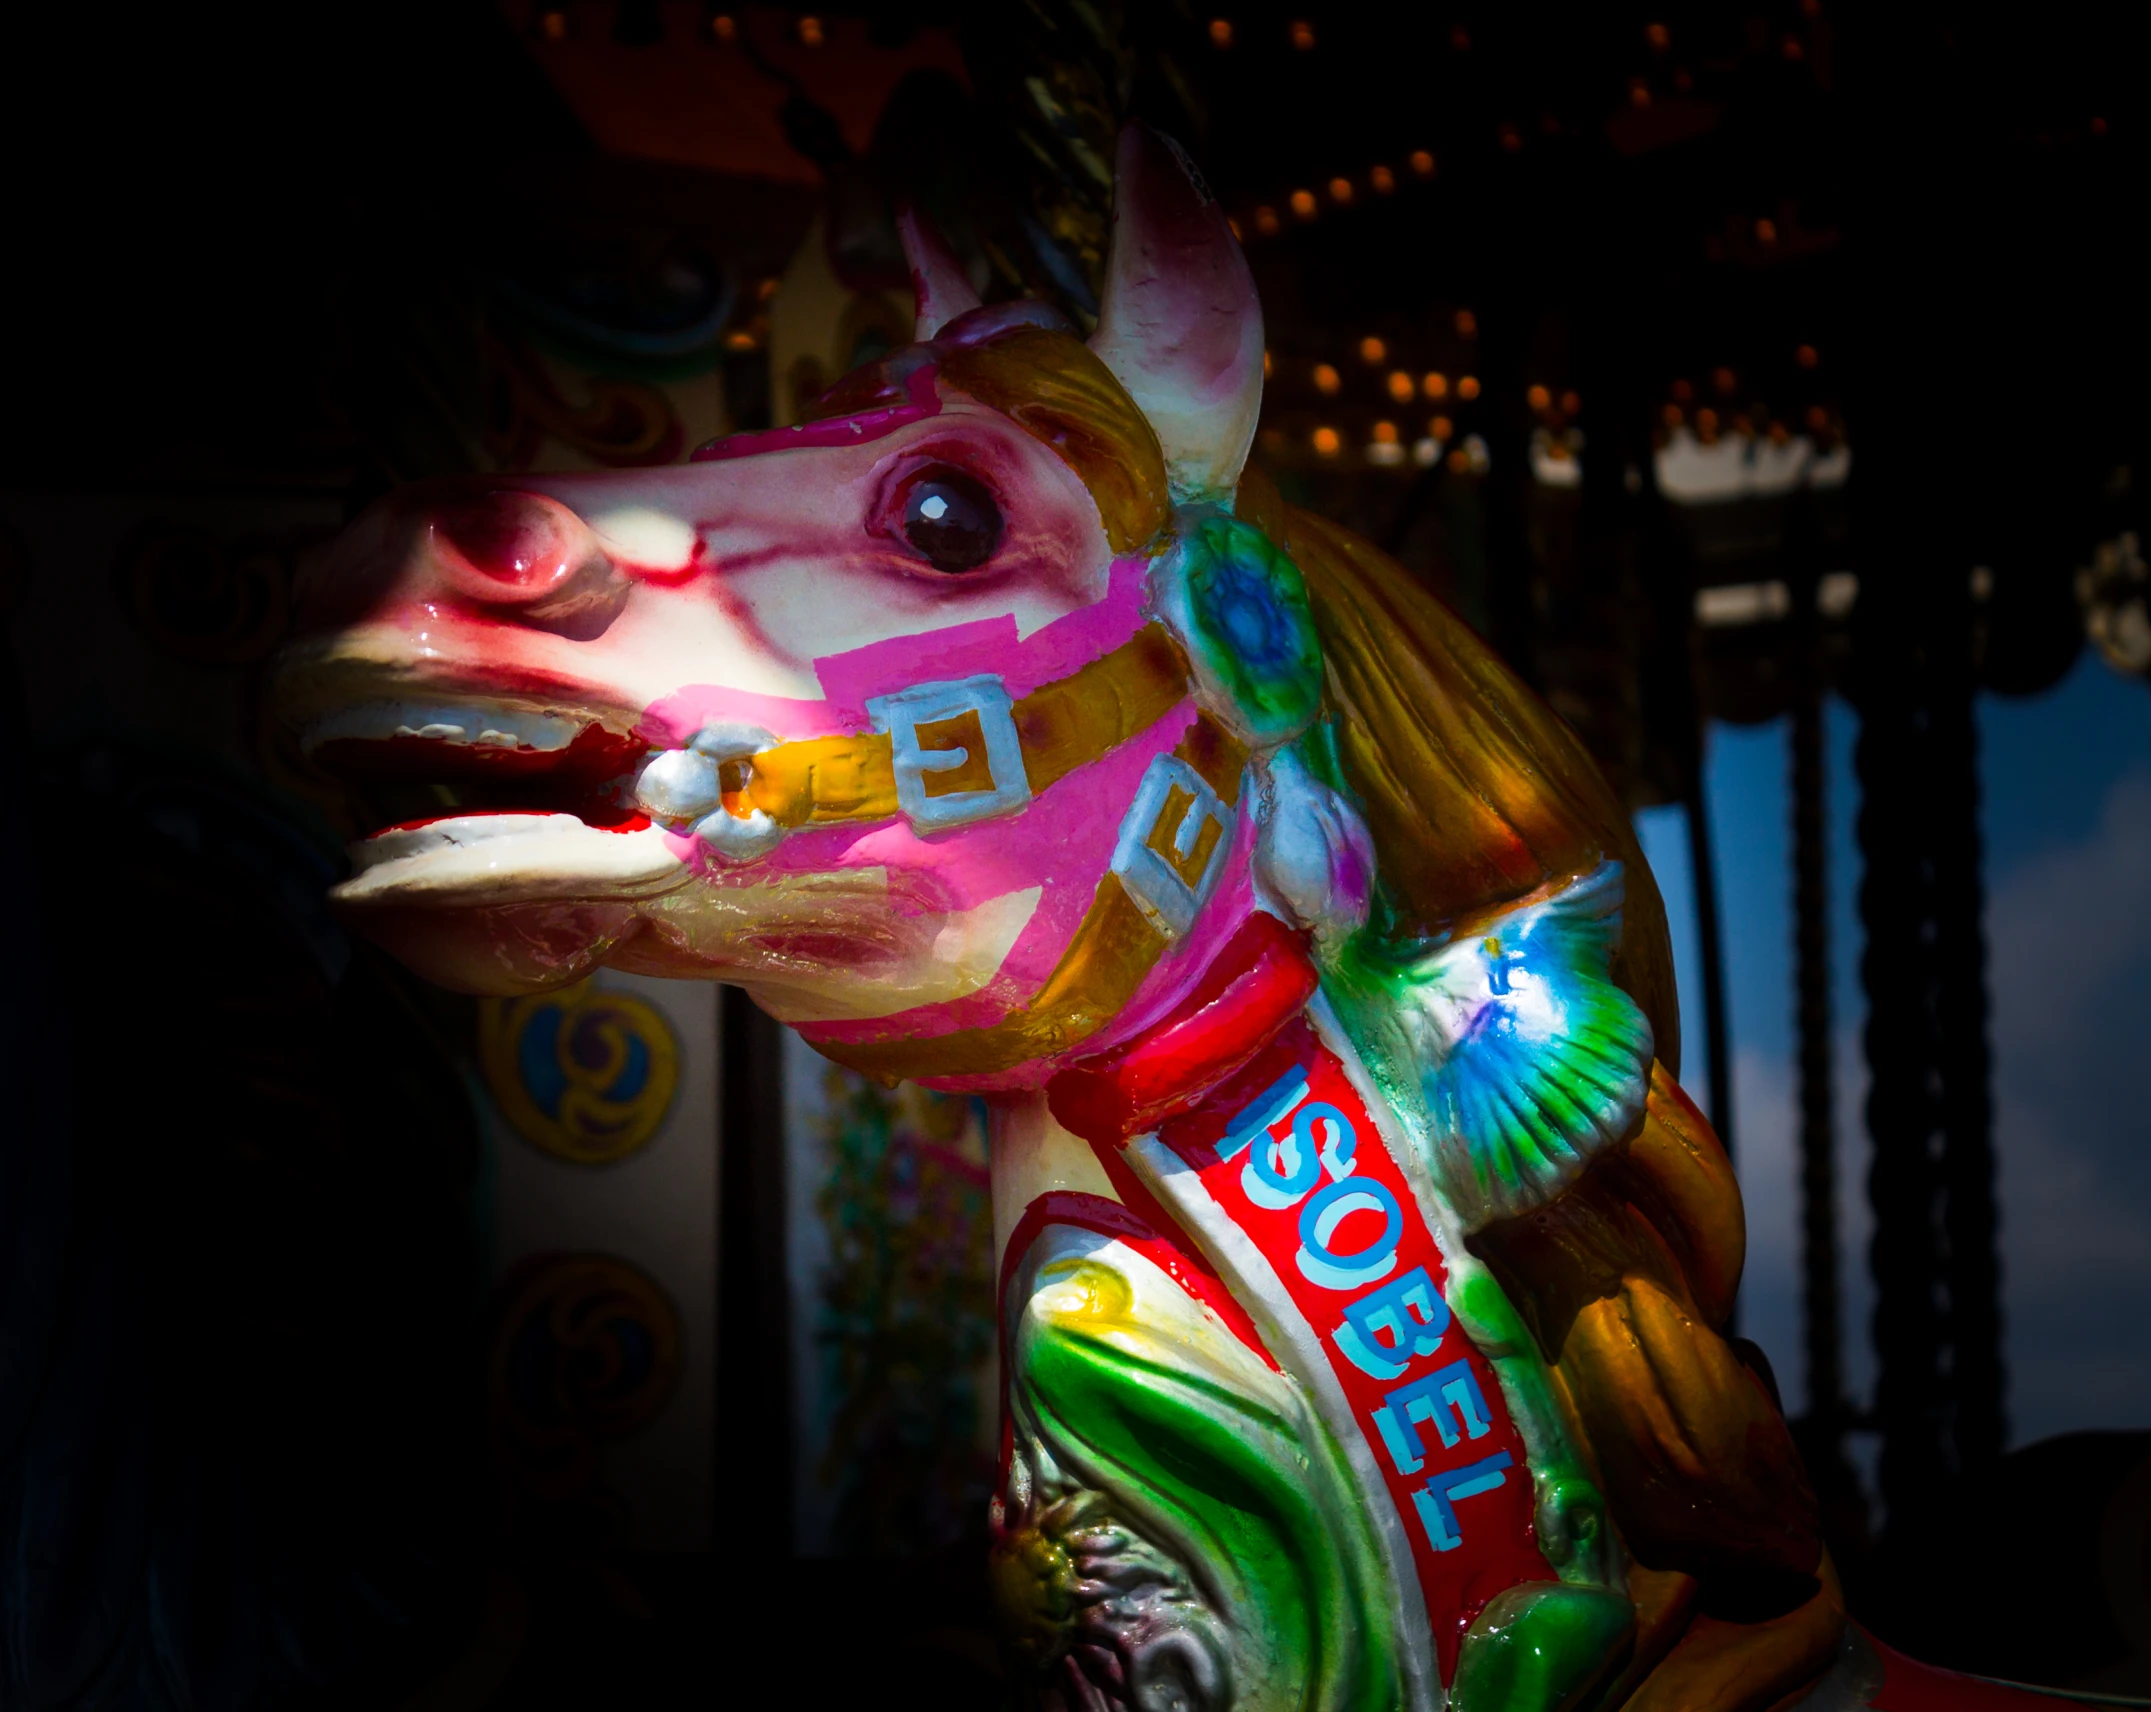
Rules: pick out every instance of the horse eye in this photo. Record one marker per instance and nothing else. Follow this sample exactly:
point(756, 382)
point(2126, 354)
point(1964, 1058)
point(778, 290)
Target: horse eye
point(952, 520)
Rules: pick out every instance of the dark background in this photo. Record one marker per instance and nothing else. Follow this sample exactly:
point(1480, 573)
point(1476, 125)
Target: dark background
point(241, 1456)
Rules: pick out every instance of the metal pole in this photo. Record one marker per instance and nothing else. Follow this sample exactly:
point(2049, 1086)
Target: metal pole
point(1711, 946)
point(1821, 1308)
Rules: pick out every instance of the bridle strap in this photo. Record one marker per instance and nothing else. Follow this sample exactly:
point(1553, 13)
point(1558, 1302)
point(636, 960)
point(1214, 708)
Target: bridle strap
point(1059, 727)
point(1118, 942)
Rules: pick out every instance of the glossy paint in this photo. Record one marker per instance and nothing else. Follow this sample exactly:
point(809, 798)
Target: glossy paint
point(1361, 1268)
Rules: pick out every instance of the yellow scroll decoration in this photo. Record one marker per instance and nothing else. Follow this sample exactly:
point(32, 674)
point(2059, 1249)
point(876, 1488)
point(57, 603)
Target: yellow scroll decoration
point(586, 1073)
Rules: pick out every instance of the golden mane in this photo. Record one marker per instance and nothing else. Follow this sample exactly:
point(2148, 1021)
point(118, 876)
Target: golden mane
point(1053, 386)
point(1474, 791)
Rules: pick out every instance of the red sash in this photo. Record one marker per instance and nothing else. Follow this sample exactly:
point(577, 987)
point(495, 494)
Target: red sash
point(1289, 1189)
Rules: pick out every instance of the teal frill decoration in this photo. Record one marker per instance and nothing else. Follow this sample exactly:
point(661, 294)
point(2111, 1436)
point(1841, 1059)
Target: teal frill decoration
point(1531, 1060)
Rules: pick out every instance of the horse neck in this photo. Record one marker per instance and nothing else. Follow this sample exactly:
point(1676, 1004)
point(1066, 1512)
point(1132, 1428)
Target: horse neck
point(1033, 1155)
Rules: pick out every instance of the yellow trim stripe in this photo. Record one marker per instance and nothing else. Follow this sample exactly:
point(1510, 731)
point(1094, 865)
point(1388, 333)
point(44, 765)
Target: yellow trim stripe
point(1062, 726)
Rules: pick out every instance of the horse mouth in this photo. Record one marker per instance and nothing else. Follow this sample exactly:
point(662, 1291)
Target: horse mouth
point(490, 801)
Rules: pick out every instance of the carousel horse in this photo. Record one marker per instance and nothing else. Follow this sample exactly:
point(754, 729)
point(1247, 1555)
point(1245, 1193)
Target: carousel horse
point(1362, 1264)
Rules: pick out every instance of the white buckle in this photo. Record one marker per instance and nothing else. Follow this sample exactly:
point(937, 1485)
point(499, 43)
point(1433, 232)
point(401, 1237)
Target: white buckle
point(977, 736)
point(1172, 845)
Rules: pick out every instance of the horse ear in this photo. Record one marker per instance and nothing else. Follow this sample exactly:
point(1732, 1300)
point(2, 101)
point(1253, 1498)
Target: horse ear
point(1178, 322)
point(937, 278)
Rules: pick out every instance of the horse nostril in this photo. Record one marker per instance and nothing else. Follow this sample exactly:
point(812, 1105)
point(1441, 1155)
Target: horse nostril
point(509, 546)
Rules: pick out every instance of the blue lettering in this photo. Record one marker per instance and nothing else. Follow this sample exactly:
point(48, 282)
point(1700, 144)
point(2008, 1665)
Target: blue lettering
point(1279, 1171)
point(1436, 1500)
point(1319, 1218)
point(1430, 1399)
point(1265, 1109)
point(1404, 1318)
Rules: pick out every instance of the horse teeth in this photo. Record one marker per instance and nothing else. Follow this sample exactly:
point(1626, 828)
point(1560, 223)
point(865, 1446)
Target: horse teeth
point(486, 725)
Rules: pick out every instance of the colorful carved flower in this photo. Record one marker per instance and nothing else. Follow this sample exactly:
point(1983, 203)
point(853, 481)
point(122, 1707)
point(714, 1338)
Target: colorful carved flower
point(1250, 627)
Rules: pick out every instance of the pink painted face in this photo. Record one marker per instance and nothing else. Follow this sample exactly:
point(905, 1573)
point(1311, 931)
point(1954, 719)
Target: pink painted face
point(783, 715)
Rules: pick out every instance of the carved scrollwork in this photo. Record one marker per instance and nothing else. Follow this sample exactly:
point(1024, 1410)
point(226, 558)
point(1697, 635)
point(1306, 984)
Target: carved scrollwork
point(585, 1350)
point(1103, 1616)
point(205, 601)
point(620, 423)
point(1175, 1530)
point(586, 1073)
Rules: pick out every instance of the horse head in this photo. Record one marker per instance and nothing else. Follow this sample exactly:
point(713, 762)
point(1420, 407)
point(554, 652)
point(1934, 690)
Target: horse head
point(855, 713)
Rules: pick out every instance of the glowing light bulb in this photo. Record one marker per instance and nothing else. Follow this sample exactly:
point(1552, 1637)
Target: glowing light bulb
point(1326, 442)
point(1400, 386)
point(1467, 388)
point(1326, 379)
point(1372, 350)
point(1303, 204)
point(1538, 397)
point(1434, 384)
point(1422, 163)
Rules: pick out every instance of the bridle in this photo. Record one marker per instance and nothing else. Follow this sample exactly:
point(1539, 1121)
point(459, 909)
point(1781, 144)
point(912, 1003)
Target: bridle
point(950, 754)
